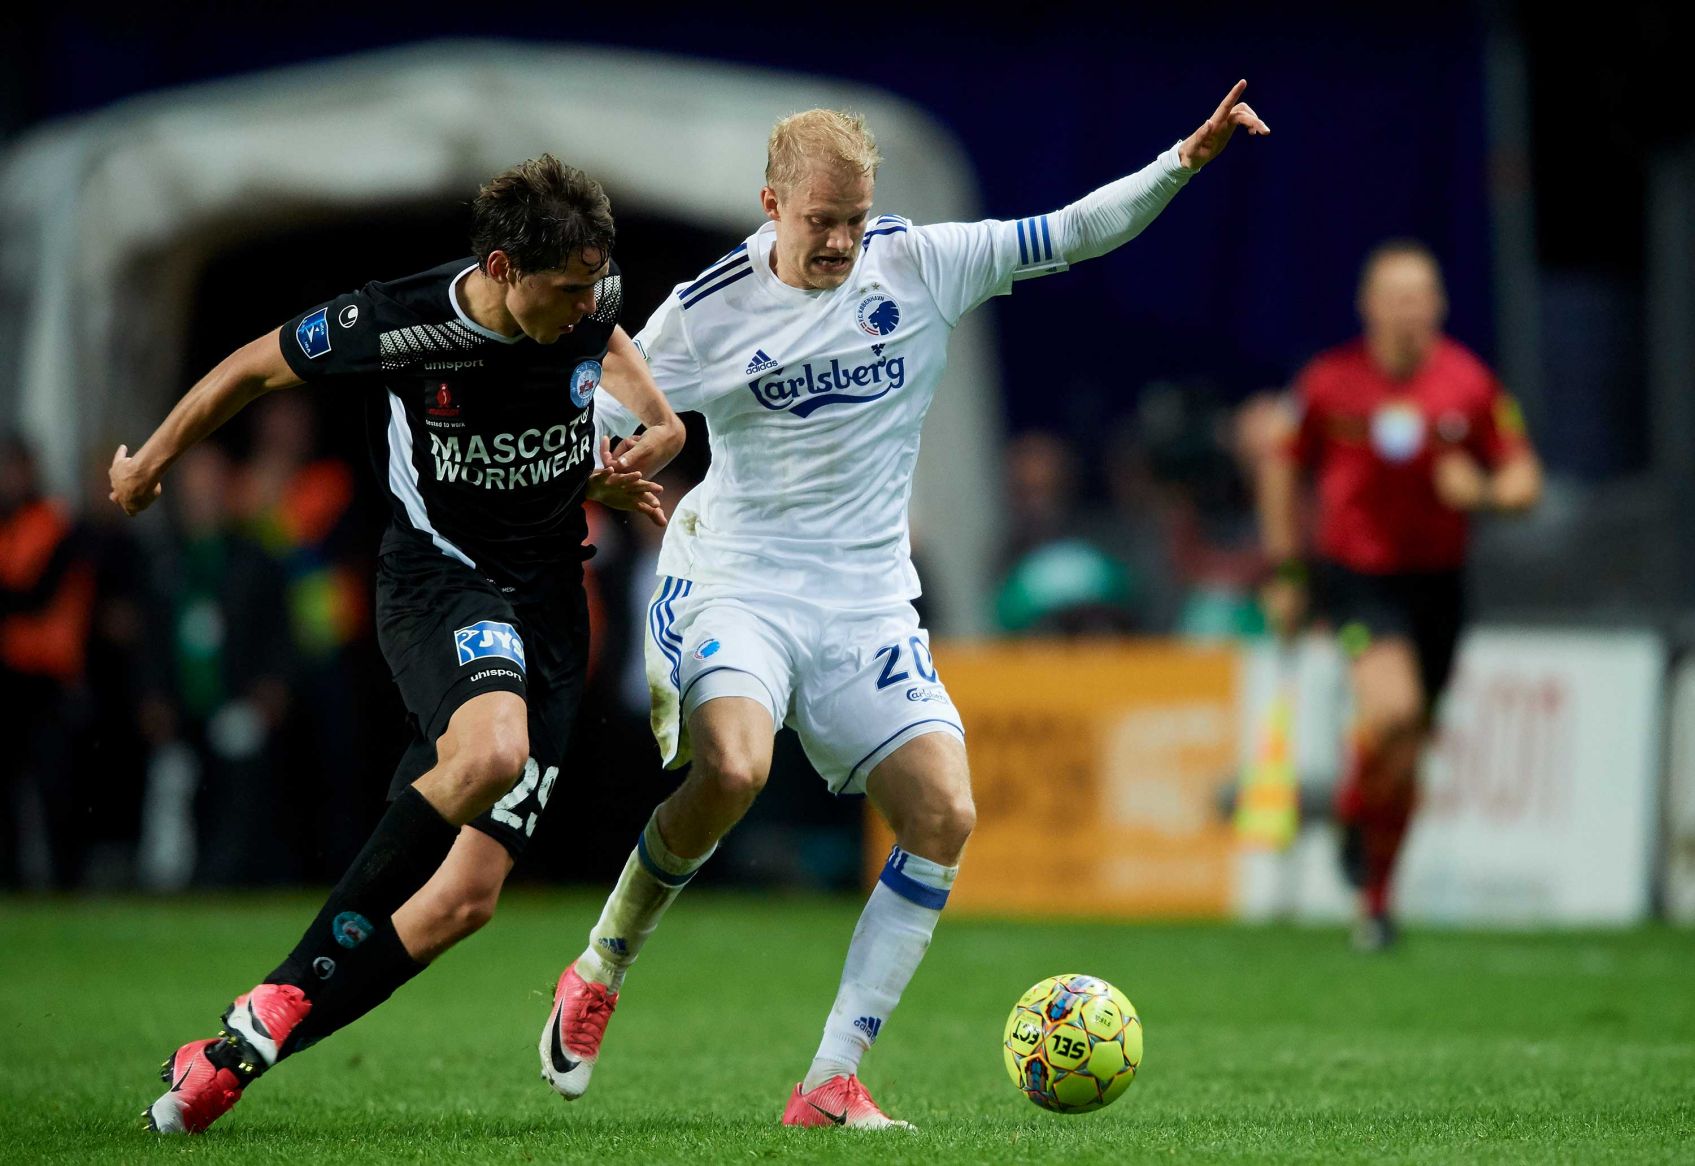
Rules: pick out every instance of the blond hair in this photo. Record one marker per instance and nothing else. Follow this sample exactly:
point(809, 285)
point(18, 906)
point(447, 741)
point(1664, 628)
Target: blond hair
point(819, 137)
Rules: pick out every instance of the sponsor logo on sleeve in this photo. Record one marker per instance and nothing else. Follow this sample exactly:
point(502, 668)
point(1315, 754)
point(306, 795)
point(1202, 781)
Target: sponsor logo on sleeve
point(348, 316)
point(313, 334)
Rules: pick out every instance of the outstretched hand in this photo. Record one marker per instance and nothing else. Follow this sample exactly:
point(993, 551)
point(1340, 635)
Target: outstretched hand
point(1209, 141)
point(133, 488)
point(625, 490)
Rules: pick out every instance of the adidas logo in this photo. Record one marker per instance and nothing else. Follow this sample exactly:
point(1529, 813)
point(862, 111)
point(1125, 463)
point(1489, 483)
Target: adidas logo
point(615, 946)
point(869, 1025)
point(760, 363)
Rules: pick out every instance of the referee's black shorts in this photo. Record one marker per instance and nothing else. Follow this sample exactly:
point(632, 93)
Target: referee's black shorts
point(449, 634)
point(1425, 607)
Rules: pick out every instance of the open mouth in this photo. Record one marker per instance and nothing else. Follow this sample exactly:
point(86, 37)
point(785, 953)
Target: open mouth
point(830, 263)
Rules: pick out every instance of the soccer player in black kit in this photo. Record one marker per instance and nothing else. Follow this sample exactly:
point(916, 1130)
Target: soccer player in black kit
point(478, 378)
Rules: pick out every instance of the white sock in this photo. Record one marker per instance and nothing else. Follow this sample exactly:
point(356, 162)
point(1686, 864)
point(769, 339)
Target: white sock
point(893, 932)
point(651, 880)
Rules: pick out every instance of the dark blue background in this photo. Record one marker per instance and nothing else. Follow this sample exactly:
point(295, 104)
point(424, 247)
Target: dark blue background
point(1378, 131)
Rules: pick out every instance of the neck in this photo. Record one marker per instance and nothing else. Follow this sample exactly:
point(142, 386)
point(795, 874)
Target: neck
point(792, 278)
point(1399, 360)
point(484, 301)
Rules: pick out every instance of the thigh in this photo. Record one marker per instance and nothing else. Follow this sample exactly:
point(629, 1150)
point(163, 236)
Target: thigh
point(448, 635)
point(557, 637)
point(868, 687)
point(1438, 608)
point(730, 646)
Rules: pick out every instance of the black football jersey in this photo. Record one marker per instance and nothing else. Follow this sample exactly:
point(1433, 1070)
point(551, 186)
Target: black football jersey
point(483, 443)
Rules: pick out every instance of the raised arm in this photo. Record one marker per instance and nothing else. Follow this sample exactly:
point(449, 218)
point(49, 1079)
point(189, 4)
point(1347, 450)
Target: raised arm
point(243, 376)
point(1116, 213)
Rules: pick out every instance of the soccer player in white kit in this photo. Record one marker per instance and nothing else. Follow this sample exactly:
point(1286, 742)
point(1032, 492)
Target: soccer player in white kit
point(813, 350)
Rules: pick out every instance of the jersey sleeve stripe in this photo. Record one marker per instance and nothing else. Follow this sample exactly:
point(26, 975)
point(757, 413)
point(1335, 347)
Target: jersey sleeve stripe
point(745, 271)
point(1023, 250)
point(1047, 240)
point(403, 480)
point(713, 273)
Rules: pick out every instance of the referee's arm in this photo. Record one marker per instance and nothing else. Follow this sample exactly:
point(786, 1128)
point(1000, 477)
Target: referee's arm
point(243, 376)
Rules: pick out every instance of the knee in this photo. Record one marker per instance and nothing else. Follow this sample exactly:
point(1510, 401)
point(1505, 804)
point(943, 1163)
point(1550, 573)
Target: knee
point(470, 912)
point(736, 778)
point(1395, 722)
point(940, 827)
point(488, 769)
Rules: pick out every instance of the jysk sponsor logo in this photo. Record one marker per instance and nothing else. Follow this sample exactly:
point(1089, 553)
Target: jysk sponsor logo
point(487, 638)
point(877, 315)
point(585, 379)
point(805, 390)
point(313, 334)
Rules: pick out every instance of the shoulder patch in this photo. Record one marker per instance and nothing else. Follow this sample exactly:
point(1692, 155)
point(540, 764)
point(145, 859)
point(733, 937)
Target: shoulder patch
point(313, 334)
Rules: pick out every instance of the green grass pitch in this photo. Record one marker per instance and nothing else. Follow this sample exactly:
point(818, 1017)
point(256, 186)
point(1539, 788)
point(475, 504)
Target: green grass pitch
point(1267, 1044)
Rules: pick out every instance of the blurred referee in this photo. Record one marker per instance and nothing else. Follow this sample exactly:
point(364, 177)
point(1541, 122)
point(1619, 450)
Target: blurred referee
point(1406, 434)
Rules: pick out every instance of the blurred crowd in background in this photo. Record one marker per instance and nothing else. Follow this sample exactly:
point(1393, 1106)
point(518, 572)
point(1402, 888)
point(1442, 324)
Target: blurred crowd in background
point(213, 684)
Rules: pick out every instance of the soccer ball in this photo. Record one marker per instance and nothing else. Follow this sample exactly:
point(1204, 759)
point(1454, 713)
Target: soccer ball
point(1073, 1043)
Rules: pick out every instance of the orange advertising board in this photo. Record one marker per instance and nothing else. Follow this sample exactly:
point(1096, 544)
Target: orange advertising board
point(1096, 768)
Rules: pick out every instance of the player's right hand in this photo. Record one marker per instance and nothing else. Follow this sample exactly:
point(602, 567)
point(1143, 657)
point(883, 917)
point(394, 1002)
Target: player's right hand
point(1284, 603)
point(133, 488)
point(649, 453)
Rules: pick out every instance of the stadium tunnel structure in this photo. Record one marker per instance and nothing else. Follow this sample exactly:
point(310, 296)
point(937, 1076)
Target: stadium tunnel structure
point(107, 219)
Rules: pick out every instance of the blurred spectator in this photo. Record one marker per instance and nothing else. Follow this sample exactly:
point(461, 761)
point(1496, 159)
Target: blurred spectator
point(217, 692)
point(46, 592)
point(299, 506)
point(110, 758)
point(1054, 579)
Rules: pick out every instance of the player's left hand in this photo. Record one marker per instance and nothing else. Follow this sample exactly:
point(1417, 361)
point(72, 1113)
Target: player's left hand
point(625, 490)
point(1209, 141)
point(1460, 482)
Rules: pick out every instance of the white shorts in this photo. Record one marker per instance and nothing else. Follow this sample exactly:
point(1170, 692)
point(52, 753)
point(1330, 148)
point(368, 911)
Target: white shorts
point(855, 686)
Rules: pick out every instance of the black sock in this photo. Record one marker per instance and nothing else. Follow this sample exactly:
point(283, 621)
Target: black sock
point(403, 852)
point(355, 986)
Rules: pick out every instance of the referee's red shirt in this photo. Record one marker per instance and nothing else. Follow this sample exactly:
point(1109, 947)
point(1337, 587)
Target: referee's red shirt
point(1372, 443)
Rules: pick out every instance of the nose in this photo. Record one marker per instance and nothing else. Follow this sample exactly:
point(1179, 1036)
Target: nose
point(839, 238)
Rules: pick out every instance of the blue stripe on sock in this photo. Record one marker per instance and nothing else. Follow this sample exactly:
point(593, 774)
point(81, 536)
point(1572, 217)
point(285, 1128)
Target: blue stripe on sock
point(658, 872)
point(908, 887)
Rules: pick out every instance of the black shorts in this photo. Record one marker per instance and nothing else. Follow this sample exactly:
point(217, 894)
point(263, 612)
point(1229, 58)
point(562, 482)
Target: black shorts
point(1426, 607)
point(448, 635)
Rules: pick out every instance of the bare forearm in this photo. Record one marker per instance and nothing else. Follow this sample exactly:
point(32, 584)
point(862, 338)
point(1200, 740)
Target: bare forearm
point(628, 381)
point(237, 381)
point(1517, 485)
point(1278, 500)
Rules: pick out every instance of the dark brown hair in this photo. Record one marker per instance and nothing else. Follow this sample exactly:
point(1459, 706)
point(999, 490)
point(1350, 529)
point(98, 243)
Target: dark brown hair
point(542, 213)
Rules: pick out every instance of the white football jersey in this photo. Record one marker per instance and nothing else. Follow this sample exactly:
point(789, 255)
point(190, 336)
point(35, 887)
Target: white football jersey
point(814, 400)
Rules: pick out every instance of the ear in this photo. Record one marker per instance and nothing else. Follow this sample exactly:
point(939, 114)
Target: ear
point(768, 202)
point(498, 265)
